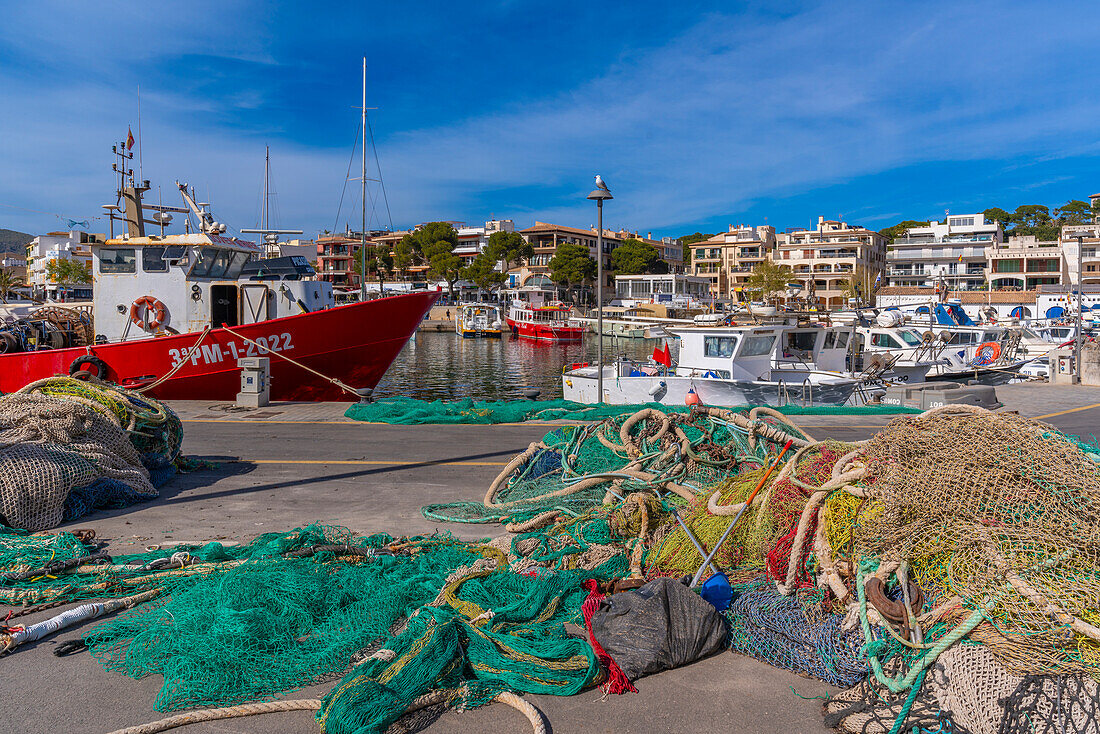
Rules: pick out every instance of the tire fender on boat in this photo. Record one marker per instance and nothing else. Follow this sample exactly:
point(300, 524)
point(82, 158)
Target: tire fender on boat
point(92, 361)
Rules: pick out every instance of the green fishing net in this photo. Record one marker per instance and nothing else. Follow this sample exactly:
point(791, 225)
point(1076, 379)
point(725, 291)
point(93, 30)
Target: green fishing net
point(409, 411)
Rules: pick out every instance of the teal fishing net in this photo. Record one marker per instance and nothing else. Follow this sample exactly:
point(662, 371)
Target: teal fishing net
point(409, 411)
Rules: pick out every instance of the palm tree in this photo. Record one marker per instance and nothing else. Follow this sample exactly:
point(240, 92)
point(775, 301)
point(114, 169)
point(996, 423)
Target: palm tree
point(9, 281)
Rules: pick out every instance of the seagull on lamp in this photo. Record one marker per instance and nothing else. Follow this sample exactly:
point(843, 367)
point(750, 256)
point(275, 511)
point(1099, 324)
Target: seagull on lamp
point(600, 184)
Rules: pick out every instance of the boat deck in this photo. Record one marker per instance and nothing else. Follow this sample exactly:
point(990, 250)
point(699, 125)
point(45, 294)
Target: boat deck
point(289, 464)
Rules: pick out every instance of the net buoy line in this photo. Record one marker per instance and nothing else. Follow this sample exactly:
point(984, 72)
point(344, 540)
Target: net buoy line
point(533, 715)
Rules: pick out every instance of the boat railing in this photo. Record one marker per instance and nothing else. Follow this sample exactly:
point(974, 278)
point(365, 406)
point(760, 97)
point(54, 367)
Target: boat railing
point(805, 393)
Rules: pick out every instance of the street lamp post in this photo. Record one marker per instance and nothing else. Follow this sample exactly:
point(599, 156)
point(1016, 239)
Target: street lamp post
point(599, 195)
point(1077, 340)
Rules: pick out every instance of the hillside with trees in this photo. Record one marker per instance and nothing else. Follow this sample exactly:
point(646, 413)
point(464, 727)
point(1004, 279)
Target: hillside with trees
point(1027, 219)
point(14, 241)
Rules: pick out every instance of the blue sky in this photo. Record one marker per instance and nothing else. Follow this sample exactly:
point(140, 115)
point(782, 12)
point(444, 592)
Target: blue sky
point(699, 115)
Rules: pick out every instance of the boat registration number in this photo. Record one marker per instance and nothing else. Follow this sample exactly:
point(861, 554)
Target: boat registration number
point(215, 352)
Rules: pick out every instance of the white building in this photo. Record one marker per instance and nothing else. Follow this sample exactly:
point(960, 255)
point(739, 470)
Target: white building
point(55, 246)
point(472, 241)
point(664, 288)
point(954, 250)
point(1089, 235)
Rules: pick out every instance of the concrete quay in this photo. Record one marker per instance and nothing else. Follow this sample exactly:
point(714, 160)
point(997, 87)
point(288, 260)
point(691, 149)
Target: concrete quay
point(286, 465)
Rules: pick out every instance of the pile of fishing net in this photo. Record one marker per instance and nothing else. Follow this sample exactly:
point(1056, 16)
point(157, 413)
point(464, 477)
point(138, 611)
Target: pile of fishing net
point(410, 411)
point(952, 531)
point(68, 447)
point(574, 469)
point(393, 620)
point(944, 571)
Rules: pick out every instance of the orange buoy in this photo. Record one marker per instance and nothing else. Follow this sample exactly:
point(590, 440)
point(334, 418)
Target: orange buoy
point(692, 398)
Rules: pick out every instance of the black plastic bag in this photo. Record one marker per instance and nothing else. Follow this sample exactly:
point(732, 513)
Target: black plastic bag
point(658, 626)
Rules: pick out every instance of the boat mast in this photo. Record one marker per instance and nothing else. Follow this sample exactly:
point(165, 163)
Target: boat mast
point(267, 189)
point(363, 194)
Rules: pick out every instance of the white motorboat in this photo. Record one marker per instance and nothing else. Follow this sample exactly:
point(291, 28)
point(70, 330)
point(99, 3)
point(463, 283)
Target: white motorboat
point(477, 320)
point(730, 366)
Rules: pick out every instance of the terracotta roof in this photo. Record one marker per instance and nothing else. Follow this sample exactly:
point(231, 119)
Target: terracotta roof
point(544, 227)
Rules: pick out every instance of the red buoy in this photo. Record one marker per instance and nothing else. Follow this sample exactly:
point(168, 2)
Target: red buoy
point(692, 398)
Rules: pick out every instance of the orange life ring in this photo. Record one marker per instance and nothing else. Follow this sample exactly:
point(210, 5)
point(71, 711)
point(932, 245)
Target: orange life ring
point(986, 353)
point(141, 309)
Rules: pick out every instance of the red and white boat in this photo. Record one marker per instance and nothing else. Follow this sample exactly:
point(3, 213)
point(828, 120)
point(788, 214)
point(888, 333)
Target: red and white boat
point(550, 322)
point(180, 310)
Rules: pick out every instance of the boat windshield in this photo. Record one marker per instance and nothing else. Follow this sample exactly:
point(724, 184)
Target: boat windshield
point(215, 262)
point(719, 346)
point(909, 337)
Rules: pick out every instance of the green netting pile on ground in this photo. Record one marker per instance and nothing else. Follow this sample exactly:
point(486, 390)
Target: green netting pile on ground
point(574, 469)
point(409, 411)
point(396, 618)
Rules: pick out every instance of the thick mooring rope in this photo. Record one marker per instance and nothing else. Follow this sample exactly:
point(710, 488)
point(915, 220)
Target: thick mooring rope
point(538, 723)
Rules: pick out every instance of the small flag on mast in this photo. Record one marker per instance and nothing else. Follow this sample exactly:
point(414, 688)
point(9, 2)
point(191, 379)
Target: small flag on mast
point(662, 356)
point(129, 138)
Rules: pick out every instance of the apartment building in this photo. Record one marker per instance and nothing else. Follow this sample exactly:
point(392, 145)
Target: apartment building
point(1087, 238)
point(1025, 263)
point(829, 257)
point(472, 241)
point(16, 263)
point(727, 258)
point(545, 238)
point(954, 251)
point(54, 246)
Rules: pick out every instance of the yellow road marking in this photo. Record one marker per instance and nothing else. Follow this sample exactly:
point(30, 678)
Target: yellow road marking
point(531, 424)
point(377, 463)
point(1071, 410)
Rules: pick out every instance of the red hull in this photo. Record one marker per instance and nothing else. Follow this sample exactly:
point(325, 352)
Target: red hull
point(355, 343)
point(546, 332)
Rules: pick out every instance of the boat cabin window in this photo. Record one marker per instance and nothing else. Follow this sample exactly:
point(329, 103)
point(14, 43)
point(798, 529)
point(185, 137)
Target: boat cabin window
point(116, 260)
point(802, 341)
point(884, 340)
point(719, 346)
point(991, 336)
point(963, 337)
point(835, 340)
point(215, 262)
point(910, 338)
point(152, 259)
point(174, 253)
point(758, 345)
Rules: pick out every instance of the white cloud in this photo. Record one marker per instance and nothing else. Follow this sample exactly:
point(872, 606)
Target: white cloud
point(738, 108)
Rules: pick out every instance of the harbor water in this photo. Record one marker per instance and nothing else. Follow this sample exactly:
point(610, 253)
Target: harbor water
point(444, 366)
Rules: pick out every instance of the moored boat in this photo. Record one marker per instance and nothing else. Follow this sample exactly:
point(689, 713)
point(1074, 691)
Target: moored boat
point(478, 320)
point(551, 322)
point(173, 315)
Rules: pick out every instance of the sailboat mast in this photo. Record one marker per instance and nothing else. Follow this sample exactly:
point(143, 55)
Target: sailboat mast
point(363, 194)
point(267, 190)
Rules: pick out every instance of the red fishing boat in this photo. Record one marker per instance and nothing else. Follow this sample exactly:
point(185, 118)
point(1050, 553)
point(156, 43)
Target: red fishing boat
point(551, 322)
point(354, 344)
point(174, 313)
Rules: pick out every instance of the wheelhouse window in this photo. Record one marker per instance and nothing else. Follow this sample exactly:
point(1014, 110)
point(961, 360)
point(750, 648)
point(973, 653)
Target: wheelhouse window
point(719, 346)
point(885, 341)
point(963, 337)
point(152, 259)
point(117, 260)
point(910, 338)
point(758, 345)
point(214, 262)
